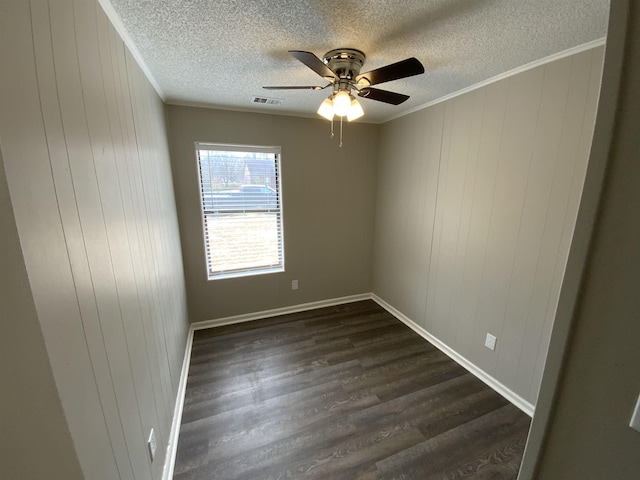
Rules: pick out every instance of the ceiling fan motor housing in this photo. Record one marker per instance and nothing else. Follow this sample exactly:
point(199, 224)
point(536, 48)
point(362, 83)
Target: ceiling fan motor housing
point(345, 62)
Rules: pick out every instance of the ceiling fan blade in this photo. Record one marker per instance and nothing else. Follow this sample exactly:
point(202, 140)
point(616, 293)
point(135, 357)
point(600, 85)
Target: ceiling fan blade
point(314, 63)
point(383, 95)
point(395, 71)
point(294, 88)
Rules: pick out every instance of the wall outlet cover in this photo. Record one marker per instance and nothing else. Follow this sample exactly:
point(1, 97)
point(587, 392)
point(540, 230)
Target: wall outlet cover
point(635, 418)
point(490, 342)
point(151, 443)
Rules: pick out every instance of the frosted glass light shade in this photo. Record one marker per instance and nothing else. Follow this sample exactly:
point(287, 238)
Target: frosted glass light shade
point(355, 110)
point(326, 109)
point(341, 103)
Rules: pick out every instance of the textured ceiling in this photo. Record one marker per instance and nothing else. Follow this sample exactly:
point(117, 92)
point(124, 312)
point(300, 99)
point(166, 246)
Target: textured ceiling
point(220, 53)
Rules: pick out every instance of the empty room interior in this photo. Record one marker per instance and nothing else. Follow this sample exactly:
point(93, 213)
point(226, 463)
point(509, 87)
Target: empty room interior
point(413, 255)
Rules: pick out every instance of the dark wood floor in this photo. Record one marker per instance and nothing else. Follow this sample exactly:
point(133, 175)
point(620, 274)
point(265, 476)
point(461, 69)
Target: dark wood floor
point(345, 392)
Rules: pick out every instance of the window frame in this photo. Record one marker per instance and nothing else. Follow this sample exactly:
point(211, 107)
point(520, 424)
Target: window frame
point(212, 275)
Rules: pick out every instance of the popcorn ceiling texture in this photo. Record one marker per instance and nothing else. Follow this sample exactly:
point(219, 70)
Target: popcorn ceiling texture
point(220, 53)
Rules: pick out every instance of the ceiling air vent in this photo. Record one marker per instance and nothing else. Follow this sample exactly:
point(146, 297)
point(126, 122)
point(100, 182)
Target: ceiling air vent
point(266, 101)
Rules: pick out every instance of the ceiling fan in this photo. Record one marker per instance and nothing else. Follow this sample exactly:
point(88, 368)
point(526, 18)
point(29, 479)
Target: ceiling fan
point(341, 68)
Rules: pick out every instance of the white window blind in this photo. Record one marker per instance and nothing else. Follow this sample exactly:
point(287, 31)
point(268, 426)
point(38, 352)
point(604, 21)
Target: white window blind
point(241, 209)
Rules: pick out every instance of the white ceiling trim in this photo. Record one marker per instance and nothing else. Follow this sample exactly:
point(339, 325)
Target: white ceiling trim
point(252, 109)
point(523, 68)
point(128, 41)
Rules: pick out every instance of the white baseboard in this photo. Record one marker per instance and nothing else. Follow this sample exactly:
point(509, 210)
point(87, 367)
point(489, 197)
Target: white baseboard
point(247, 317)
point(172, 445)
point(507, 393)
point(170, 458)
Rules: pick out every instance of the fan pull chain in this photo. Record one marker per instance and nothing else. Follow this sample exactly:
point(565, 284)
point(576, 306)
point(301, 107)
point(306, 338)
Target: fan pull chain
point(332, 135)
point(340, 133)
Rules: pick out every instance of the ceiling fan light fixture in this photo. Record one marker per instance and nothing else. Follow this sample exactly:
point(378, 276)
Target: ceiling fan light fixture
point(326, 109)
point(341, 103)
point(355, 110)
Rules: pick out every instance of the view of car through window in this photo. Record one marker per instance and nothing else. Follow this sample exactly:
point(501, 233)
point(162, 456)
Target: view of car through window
point(246, 197)
point(241, 208)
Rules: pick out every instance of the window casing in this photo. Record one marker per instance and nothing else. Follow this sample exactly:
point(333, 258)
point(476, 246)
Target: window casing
point(241, 199)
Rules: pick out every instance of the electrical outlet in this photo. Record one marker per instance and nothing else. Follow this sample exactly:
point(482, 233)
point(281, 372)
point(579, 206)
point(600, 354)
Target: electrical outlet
point(151, 443)
point(635, 419)
point(294, 284)
point(490, 342)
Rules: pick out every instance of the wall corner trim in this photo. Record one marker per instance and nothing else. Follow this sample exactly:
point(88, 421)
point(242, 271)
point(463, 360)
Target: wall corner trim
point(598, 42)
point(507, 393)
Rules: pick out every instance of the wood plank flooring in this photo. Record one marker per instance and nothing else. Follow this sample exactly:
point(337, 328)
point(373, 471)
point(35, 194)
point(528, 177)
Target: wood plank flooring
point(344, 392)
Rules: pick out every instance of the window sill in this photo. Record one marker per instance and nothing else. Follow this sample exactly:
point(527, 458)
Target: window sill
point(247, 273)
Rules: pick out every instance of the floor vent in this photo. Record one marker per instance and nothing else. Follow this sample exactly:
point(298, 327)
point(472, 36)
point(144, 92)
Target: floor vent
point(267, 101)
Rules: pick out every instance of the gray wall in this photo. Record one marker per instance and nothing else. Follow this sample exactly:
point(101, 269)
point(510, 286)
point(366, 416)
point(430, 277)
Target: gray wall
point(92, 296)
point(328, 196)
point(477, 199)
point(85, 153)
point(589, 436)
point(31, 416)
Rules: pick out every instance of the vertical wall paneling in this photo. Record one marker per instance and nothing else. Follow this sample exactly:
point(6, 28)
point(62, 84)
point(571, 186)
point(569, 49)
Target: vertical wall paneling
point(31, 416)
point(86, 156)
point(106, 261)
point(416, 211)
point(492, 113)
point(510, 167)
point(124, 268)
point(60, 153)
point(139, 228)
point(435, 274)
point(43, 237)
point(576, 145)
point(466, 214)
point(431, 144)
point(135, 221)
point(146, 374)
point(541, 305)
point(514, 163)
point(543, 170)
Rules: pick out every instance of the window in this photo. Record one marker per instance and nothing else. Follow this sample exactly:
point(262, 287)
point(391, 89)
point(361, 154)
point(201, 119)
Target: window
point(241, 209)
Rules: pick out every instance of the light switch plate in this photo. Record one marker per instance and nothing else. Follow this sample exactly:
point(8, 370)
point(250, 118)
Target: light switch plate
point(294, 284)
point(635, 418)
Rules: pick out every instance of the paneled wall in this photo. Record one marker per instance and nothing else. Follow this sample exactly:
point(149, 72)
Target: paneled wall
point(328, 203)
point(477, 199)
point(85, 151)
point(588, 434)
point(31, 416)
